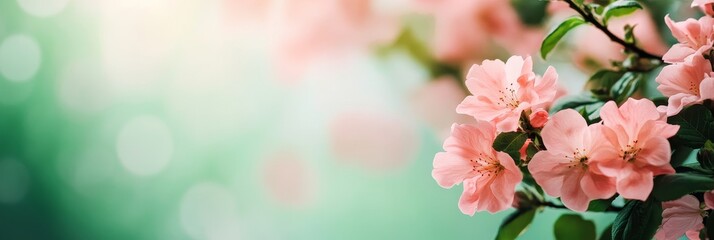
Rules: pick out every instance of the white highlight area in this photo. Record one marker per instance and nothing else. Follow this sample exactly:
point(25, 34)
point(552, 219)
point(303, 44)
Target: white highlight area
point(144, 145)
point(20, 58)
point(43, 8)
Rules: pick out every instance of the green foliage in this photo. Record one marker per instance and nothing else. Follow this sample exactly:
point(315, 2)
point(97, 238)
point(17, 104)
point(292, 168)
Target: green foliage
point(674, 186)
point(602, 81)
point(557, 34)
point(515, 224)
point(511, 143)
point(573, 226)
point(696, 126)
point(625, 86)
point(709, 226)
point(705, 157)
point(619, 8)
point(531, 13)
point(638, 220)
point(600, 205)
point(680, 155)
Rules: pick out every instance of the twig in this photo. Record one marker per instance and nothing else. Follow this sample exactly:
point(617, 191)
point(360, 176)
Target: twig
point(588, 16)
point(553, 205)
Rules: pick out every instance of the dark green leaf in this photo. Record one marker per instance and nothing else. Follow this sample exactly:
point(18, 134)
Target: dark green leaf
point(511, 143)
point(531, 13)
point(705, 157)
point(680, 155)
point(674, 186)
point(573, 102)
point(515, 224)
point(557, 34)
point(637, 220)
point(696, 126)
point(620, 8)
point(625, 86)
point(601, 83)
point(600, 205)
point(573, 226)
point(709, 228)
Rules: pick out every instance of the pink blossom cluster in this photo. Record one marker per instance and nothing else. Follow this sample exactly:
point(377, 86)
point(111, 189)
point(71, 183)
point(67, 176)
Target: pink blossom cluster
point(689, 79)
point(620, 154)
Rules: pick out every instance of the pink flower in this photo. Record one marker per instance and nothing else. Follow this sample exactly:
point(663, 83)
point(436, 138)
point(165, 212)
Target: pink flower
point(640, 134)
point(489, 177)
point(686, 83)
point(538, 118)
point(694, 36)
point(680, 217)
point(524, 150)
point(501, 91)
point(568, 169)
point(707, 6)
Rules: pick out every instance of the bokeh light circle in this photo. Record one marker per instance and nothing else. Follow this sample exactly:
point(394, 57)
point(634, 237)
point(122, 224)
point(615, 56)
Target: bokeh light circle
point(207, 211)
point(20, 58)
point(42, 8)
point(14, 181)
point(144, 145)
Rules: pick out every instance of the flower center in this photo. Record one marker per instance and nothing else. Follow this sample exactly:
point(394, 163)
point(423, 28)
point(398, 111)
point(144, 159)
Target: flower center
point(486, 165)
point(629, 153)
point(508, 97)
point(578, 159)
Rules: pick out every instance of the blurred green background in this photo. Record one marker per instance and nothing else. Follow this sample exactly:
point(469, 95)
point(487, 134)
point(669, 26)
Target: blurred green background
point(138, 119)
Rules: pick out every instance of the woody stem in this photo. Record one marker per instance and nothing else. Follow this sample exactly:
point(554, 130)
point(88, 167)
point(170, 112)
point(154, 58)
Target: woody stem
point(588, 16)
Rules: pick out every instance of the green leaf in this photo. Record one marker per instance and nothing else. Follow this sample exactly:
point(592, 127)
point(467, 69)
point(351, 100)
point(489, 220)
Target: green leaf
point(680, 155)
point(515, 224)
point(709, 228)
point(600, 205)
point(601, 82)
point(531, 13)
point(557, 34)
point(573, 226)
point(696, 126)
point(705, 157)
point(511, 143)
point(674, 186)
point(625, 86)
point(637, 220)
point(620, 8)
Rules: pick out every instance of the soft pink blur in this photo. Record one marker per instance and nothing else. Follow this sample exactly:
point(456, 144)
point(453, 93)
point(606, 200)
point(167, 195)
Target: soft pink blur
point(373, 140)
point(593, 50)
point(469, 30)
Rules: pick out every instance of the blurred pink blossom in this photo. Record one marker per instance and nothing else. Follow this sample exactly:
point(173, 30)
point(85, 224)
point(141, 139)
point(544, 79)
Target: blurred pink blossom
point(373, 140)
point(467, 30)
point(322, 29)
point(569, 168)
point(489, 177)
point(289, 180)
point(502, 91)
point(640, 134)
point(686, 83)
point(707, 6)
point(435, 102)
point(681, 217)
point(593, 50)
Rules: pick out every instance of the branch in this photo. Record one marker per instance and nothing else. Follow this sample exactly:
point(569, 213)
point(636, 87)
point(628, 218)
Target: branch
point(553, 205)
point(588, 16)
